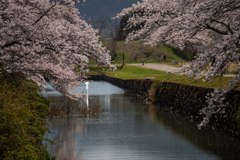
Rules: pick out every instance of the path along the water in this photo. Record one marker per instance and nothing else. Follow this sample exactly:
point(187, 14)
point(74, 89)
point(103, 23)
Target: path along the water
point(164, 67)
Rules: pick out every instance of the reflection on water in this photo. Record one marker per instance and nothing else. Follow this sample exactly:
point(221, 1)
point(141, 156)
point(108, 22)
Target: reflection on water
point(97, 88)
point(125, 131)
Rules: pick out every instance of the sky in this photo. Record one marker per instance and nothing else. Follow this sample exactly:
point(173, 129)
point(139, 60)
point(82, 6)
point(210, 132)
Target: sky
point(108, 8)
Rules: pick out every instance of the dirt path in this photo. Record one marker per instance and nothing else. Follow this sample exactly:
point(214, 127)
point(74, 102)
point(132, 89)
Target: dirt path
point(164, 67)
point(161, 67)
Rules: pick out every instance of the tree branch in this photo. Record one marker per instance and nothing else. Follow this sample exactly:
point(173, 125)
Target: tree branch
point(226, 25)
point(11, 44)
point(216, 30)
point(43, 15)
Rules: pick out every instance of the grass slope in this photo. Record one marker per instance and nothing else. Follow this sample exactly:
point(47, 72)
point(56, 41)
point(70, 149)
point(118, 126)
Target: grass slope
point(137, 52)
point(134, 72)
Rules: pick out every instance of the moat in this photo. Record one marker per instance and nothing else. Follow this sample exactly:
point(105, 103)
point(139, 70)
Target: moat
point(131, 129)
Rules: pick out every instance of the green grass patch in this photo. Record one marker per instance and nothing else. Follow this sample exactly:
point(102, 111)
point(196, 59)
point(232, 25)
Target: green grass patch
point(97, 70)
point(178, 54)
point(134, 72)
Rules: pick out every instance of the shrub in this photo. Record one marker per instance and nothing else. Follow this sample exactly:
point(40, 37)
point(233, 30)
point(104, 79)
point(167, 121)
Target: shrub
point(22, 120)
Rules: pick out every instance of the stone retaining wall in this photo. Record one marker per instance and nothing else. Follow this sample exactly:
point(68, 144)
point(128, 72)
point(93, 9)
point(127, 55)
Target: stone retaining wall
point(136, 86)
point(188, 100)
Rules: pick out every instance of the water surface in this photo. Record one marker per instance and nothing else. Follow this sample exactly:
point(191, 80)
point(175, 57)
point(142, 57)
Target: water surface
point(132, 130)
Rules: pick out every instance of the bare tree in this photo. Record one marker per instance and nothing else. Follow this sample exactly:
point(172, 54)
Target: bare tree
point(99, 23)
point(113, 35)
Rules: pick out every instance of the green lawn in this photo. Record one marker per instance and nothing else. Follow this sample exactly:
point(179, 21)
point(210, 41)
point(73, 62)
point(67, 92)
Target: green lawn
point(134, 72)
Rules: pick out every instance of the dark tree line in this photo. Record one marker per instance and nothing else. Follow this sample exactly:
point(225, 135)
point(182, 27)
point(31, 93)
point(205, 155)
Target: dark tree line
point(123, 31)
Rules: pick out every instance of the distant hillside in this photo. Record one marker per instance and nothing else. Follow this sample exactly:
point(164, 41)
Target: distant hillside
point(138, 52)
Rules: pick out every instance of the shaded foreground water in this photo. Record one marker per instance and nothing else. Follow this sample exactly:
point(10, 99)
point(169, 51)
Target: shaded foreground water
point(131, 130)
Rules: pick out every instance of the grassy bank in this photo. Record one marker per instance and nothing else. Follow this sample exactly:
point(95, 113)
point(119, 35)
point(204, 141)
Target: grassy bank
point(22, 120)
point(137, 52)
point(134, 72)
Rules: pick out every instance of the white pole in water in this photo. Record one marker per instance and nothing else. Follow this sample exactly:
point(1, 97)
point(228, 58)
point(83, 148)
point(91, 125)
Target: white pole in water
point(87, 94)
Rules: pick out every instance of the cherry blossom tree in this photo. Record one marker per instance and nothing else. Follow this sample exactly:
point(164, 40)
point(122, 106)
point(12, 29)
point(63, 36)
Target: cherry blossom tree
point(47, 42)
point(213, 23)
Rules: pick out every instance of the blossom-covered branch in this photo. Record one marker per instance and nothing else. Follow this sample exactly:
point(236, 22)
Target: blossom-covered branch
point(40, 39)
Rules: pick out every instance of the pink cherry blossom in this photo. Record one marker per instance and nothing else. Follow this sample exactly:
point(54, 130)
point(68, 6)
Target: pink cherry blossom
point(40, 39)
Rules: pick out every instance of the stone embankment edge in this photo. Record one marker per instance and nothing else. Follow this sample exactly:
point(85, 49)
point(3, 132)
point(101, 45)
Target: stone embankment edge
point(182, 99)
